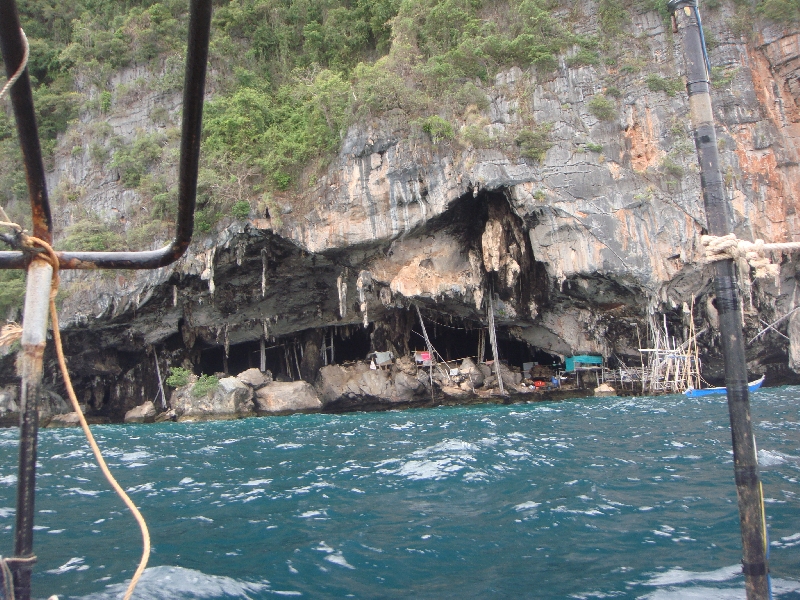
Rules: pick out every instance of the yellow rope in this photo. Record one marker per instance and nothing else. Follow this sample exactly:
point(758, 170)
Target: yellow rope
point(53, 260)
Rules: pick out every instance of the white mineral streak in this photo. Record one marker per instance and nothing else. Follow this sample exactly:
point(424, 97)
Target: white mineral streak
point(364, 280)
point(341, 288)
point(386, 296)
point(240, 248)
point(208, 272)
point(263, 273)
point(174, 295)
point(491, 240)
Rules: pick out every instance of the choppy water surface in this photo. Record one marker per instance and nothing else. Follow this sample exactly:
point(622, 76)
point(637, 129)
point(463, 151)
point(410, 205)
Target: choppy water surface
point(594, 498)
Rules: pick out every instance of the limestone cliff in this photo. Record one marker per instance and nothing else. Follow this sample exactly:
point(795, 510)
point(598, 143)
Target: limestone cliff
point(583, 249)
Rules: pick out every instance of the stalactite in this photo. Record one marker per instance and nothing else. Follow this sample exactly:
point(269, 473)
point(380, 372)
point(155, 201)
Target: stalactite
point(341, 287)
point(262, 347)
point(240, 253)
point(263, 273)
point(174, 295)
point(208, 273)
point(363, 282)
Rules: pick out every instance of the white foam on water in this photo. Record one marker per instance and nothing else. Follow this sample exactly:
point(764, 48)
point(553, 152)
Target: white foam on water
point(678, 576)
point(428, 469)
point(289, 446)
point(530, 505)
point(82, 492)
point(696, 593)
point(255, 482)
point(8, 480)
point(178, 583)
point(202, 518)
point(768, 458)
point(73, 564)
point(339, 559)
point(135, 456)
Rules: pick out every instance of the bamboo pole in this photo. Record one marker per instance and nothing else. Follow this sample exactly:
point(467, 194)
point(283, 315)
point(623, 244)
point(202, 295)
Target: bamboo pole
point(719, 214)
point(493, 340)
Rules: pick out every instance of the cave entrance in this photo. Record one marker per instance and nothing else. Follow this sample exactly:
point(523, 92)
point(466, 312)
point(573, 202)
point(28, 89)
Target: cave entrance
point(517, 353)
point(453, 341)
point(350, 343)
point(247, 355)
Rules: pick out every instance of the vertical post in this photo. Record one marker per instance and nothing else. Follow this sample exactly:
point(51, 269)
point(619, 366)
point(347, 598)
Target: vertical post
point(160, 382)
point(34, 337)
point(720, 222)
point(262, 350)
point(493, 340)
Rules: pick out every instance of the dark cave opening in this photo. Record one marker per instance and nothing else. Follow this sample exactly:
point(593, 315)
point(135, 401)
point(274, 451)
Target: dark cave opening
point(460, 340)
point(350, 343)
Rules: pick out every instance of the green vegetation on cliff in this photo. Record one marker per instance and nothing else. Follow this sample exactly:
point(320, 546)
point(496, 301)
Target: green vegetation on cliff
point(287, 77)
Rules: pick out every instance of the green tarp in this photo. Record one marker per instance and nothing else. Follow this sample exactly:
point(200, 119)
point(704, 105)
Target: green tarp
point(582, 359)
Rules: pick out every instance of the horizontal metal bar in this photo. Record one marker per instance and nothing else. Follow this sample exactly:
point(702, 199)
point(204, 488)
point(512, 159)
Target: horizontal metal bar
point(193, 92)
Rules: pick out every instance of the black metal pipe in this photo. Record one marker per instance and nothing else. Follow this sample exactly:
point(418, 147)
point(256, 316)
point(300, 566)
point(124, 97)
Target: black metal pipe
point(719, 216)
point(193, 93)
point(13, 49)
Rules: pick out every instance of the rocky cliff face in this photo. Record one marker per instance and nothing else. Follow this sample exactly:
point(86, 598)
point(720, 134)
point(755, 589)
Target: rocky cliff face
point(581, 252)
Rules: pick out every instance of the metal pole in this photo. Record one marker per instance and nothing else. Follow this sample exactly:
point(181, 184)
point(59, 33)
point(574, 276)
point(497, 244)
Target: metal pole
point(720, 222)
point(34, 337)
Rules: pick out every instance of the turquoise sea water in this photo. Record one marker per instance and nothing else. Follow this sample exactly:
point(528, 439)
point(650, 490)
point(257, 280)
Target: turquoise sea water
point(591, 498)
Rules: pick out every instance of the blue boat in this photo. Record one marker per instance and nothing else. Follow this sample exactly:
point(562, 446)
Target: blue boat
point(693, 393)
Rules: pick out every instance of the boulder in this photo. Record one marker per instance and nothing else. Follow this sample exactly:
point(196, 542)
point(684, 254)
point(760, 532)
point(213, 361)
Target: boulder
point(230, 399)
point(287, 397)
point(8, 399)
point(144, 413)
point(407, 388)
point(376, 384)
point(254, 378)
point(65, 420)
point(332, 382)
point(166, 416)
point(604, 390)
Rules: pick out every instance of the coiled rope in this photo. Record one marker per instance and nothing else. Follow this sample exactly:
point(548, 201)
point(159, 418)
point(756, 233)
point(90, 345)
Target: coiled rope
point(753, 253)
point(49, 255)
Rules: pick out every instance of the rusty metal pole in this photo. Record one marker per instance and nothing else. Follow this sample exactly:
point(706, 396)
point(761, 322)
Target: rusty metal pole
point(719, 215)
point(34, 337)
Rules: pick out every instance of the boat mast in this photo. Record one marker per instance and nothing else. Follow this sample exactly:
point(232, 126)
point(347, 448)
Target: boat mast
point(719, 216)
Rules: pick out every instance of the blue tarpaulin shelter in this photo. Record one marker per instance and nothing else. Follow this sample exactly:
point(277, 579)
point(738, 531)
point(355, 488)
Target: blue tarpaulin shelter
point(581, 360)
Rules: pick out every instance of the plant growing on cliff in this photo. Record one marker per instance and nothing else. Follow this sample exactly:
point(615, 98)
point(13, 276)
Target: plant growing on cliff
point(241, 209)
point(134, 160)
point(92, 236)
point(602, 108)
point(204, 385)
point(535, 142)
point(12, 292)
point(178, 377)
point(438, 128)
point(669, 85)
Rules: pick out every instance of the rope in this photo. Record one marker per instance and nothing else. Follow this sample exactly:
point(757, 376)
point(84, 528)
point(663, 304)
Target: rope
point(8, 577)
point(753, 253)
point(21, 68)
point(50, 257)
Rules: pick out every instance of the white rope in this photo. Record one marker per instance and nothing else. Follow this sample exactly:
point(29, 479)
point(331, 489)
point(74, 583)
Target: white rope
point(21, 68)
point(753, 253)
